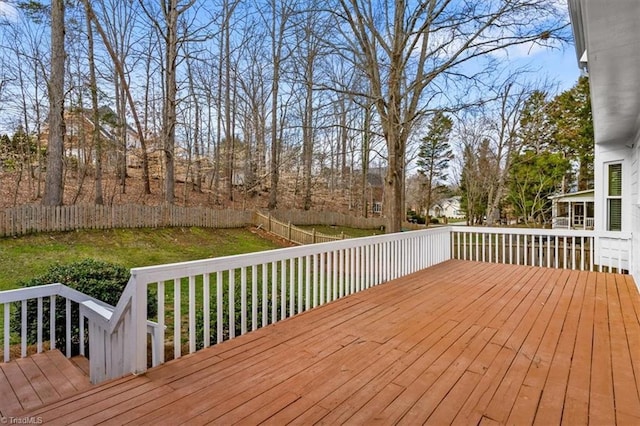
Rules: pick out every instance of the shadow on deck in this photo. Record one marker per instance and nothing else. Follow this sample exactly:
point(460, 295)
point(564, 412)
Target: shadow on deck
point(461, 342)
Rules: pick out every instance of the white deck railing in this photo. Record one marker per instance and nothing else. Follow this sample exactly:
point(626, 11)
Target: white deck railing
point(205, 302)
point(551, 248)
point(230, 296)
point(45, 297)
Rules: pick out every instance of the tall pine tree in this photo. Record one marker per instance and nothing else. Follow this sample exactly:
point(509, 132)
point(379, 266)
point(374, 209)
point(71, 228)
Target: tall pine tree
point(570, 116)
point(435, 154)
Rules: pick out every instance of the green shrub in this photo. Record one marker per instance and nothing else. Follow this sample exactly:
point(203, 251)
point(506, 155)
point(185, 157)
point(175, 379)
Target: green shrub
point(434, 221)
point(101, 280)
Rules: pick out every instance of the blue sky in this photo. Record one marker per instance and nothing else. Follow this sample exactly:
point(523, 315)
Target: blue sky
point(562, 66)
point(558, 65)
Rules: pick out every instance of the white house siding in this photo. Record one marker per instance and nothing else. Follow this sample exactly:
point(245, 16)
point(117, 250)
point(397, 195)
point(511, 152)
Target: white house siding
point(635, 210)
point(613, 245)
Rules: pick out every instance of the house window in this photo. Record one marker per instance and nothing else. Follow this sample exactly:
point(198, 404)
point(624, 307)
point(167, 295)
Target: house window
point(614, 197)
point(377, 207)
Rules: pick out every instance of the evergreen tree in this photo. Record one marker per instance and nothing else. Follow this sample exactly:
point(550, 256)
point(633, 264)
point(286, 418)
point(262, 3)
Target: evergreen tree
point(571, 122)
point(534, 177)
point(474, 181)
point(434, 154)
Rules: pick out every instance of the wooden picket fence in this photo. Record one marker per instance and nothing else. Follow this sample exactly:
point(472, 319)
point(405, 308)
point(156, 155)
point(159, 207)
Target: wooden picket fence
point(292, 233)
point(309, 217)
point(29, 219)
point(34, 218)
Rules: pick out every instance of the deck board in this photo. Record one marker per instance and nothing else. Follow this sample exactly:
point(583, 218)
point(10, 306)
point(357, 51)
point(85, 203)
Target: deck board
point(39, 379)
point(458, 343)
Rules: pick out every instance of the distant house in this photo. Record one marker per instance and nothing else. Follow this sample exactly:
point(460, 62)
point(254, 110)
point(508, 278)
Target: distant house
point(375, 189)
point(573, 210)
point(448, 207)
point(78, 143)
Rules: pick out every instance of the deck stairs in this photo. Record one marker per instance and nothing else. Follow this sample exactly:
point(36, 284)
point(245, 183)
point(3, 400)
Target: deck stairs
point(40, 379)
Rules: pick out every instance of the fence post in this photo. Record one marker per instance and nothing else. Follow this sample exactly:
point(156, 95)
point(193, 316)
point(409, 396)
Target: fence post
point(313, 235)
point(289, 232)
point(342, 235)
point(269, 223)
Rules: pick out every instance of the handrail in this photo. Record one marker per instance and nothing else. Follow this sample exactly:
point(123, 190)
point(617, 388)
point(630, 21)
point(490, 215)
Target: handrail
point(40, 292)
point(90, 307)
point(555, 248)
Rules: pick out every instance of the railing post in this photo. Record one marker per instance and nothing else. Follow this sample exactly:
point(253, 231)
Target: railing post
point(139, 327)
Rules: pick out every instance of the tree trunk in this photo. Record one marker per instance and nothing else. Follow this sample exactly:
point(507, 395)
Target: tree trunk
point(95, 136)
point(365, 159)
point(54, 185)
point(169, 110)
point(307, 134)
point(393, 185)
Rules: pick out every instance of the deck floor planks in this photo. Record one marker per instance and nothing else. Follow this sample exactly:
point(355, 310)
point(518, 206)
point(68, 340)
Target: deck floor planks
point(626, 289)
point(9, 405)
point(39, 379)
point(576, 400)
point(519, 352)
point(536, 350)
point(466, 386)
point(504, 346)
point(627, 403)
point(601, 396)
point(242, 377)
point(21, 386)
point(430, 344)
point(75, 374)
point(58, 380)
point(462, 343)
point(96, 395)
point(550, 367)
point(314, 383)
point(45, 390)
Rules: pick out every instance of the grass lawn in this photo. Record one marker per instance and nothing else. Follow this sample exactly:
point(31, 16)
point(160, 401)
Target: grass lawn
point(25, 257)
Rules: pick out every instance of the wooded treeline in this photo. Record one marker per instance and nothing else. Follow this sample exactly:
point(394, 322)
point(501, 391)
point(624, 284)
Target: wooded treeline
point(248, 97)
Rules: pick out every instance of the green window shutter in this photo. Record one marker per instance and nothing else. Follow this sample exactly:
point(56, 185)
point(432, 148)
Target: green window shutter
point(615, 180)
point(614, 202)
point(615, 214)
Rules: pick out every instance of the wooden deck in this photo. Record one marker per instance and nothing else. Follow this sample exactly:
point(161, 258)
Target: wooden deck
point(461, 342)
point(27, 383)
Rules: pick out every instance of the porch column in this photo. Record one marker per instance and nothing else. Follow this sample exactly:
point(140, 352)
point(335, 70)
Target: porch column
point(570, 218)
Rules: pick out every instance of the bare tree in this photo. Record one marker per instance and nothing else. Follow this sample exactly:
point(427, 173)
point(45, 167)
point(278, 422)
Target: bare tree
point(276, 17)
point(171, 11)
point(93, 87)
point(53, 189)
point(405, 48)
point(511, 100)
point(122, 78)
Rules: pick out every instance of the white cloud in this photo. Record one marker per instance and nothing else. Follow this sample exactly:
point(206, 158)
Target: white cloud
point(525, 50)
point(9, 12)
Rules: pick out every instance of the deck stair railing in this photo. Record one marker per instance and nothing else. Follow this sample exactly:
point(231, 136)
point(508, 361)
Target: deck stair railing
point(45, 297)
